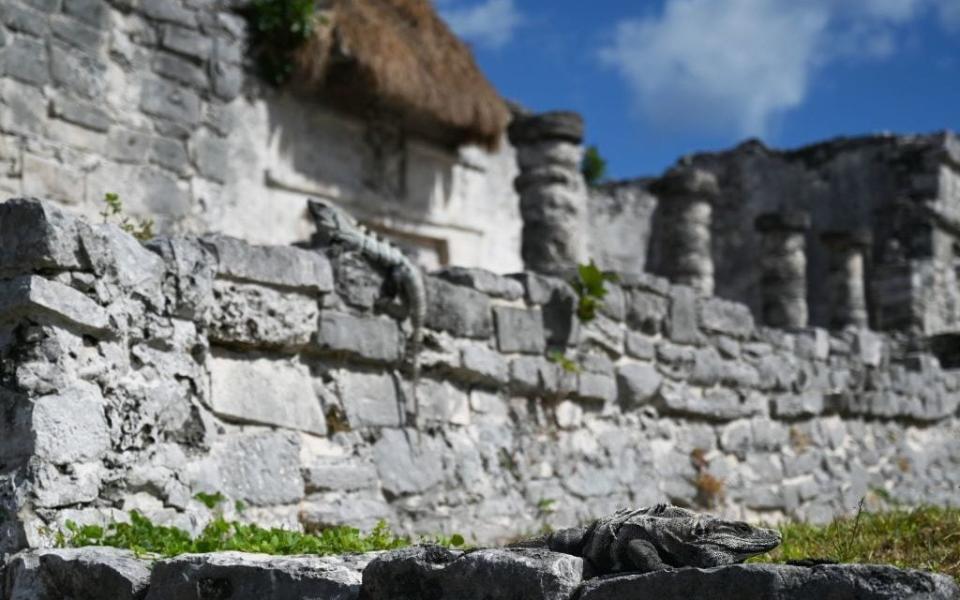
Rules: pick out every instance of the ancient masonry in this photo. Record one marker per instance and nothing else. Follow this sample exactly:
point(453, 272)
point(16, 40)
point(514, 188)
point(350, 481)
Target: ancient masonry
point(136, 376)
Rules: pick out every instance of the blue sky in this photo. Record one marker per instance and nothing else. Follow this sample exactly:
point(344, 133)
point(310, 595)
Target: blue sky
point(656, 79)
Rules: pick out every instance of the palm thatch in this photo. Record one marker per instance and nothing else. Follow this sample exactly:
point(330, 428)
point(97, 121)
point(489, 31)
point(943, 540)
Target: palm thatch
point(398, 56)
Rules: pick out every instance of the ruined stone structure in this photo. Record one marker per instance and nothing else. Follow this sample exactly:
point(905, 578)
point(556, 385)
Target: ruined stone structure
point(136, 376)
point(900, 192)
point(157, 101)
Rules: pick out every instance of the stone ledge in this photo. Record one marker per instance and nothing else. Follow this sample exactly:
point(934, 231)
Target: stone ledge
point(282, 266)
point(775, 582)
point(32, 294)
point(37, 235)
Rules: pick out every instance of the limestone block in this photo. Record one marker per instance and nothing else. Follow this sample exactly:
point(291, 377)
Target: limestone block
point(70, 426)
point(171, 101)
point(484, 364)
point(49, 179)
point(442, 402)
point(118, 259)
point(254, 315)
point(369, 399)
point(370, 338)
point(358, 283)
point(94, 572)
point(638, 383)
point(69, 485)
point(185, 41)
point(723, 316)
point(784, 582)
point(807, 404)
point(75, 33)
point(33, 295)
point(605, 333)
point(84, 114)
point(261, 468)
point(640, 346)
point(646, 312)
point(171, 11)
point(483, 281)
point(683, 326)
point(282, 266)
point(457, 309)
point(190, 268)
point(345, 474)
point(869, 346)
point(357, 509)
point(408, 463)
point(27, 61)
point(236, 575)
point(720, 404)
point(569, 415)
point(596, 386)
point(37, 235)
point(265, 391)
point(488, 574)
point(519, 330)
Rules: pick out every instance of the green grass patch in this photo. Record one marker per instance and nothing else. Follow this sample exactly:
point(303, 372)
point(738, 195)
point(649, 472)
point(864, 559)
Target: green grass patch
point(922, 538)
point(145, 537)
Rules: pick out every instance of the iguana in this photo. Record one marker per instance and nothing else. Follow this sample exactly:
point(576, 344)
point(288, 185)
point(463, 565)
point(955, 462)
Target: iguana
point(338, 228)
point(655, 538)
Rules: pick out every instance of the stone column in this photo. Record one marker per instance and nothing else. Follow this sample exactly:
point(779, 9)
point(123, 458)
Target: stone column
point(686, 198)
point(553, 194)
point(845, 277)
point(783, 264)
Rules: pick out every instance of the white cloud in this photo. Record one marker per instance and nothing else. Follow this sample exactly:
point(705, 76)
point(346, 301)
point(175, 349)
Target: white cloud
point(489, 23)
point(738, 65)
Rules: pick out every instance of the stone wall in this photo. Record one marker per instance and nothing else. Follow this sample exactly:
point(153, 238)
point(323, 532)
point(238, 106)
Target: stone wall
point(155, 100)
point(135, 376)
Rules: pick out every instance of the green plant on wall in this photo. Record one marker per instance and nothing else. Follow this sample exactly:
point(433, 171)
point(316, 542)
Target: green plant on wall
point(142, 229)
point(593, 166)
point(566, 363)
point(591, 289)
point(277, 29)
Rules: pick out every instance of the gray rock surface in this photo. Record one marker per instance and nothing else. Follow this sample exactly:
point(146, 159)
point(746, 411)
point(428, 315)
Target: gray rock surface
point(256, 576)
point(81, 574)
point(493, 574)
point(775, 582)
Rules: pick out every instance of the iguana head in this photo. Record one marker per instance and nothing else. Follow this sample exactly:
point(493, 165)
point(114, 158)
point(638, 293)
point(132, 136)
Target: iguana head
point(328, 217)
point(701, 540)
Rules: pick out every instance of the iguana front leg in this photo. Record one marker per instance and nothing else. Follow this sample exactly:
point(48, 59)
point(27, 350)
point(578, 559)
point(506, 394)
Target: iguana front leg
point(643, 557)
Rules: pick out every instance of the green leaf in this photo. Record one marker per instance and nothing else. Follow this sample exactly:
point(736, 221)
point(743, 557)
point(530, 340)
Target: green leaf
point(457, 540)
point(210, 500)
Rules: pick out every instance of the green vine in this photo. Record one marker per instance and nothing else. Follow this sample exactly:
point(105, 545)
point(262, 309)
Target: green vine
point(591, 289)
point(593, 166)
point(142, 229)
point(277, 29)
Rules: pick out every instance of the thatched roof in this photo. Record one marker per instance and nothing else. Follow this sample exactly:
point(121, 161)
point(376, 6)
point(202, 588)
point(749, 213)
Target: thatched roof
point(399, 56)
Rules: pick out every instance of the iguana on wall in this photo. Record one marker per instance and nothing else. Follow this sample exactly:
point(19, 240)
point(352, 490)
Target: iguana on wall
point(338, 228)
point(655, 538)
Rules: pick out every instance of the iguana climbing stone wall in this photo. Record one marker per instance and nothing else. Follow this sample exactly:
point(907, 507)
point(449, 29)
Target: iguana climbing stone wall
point(135, 376)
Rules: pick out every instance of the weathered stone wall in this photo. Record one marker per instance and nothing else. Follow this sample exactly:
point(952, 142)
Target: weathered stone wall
point(136, 376)
point(156, 100)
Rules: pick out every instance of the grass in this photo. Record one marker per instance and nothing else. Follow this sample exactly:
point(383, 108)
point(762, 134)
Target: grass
point(145, 537)
point(922, 538)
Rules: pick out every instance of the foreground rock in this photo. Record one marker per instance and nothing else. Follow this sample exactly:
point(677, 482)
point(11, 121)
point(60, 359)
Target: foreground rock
point(240, 576)
point(76, 573)
point(432, 572)
point(775, 582)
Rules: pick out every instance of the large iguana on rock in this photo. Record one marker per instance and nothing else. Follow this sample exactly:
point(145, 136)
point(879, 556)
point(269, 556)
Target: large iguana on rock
point(338, 228)
point(655, 538)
